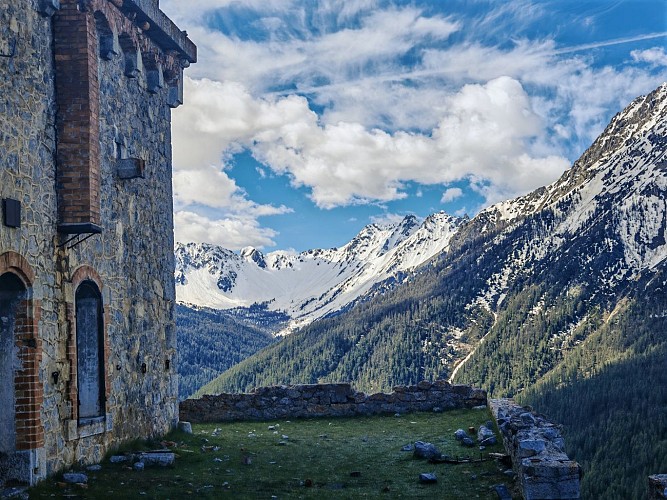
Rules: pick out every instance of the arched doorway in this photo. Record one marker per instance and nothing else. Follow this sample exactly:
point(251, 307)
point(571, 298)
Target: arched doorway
point(12, 296)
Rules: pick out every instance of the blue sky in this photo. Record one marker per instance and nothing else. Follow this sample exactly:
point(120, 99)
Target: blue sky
point(305, 120)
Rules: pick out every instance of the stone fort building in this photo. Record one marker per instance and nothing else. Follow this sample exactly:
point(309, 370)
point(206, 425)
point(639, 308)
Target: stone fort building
point(87, 340)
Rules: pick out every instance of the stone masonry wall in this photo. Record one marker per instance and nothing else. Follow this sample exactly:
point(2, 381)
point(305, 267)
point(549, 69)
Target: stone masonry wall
point(328, 400)
point(538, 453)
point(131, 260)
point(657, 487)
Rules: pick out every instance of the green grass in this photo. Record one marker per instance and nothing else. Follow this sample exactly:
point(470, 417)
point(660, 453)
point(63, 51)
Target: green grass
point(320, 458)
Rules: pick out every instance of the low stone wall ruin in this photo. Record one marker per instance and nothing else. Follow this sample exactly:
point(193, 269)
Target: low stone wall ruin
point(538, 453)
point(657, 487)
point(328, 400)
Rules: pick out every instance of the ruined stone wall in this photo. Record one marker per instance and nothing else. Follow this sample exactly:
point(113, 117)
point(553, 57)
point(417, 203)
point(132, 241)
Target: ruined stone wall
point(538, 453)
point(657, 487)
point(130, 260)
point(328, 400)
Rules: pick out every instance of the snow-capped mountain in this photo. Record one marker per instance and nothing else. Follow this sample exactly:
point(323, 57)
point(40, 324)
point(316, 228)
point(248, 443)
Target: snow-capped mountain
point(609, 210)
point(311, 284)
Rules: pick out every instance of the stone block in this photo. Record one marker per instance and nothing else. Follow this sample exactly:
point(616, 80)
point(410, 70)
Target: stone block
point(657, 487)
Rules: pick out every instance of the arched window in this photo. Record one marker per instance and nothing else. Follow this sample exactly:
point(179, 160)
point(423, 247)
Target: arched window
point(89, 351)
point(12, 292)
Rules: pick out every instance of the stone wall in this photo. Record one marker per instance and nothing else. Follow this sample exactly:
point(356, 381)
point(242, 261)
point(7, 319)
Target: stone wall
point(538, 453)
point(130, 260)
point(657, 487)
point(328, 400)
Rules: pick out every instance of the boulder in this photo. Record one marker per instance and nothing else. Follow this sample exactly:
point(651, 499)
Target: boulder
point(426, 450)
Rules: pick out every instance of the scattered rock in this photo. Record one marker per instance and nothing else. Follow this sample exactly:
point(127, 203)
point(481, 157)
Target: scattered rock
point(285, 437)
point(116, 459)
point(483, 433)
point(138, 466)
point(428, 478)
point(490, 441)
point(426, 450)
point(502, 492)
point(460, 434)
point(94, 468)
point(408, 447)
point(437, 409)
point(479, 407)
point(75, 478)
point(185, 427)
point(466, 441)
point(162, 459)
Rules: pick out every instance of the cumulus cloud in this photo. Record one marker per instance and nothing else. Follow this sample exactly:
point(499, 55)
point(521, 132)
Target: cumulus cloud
point(232, 233)
point(483, 134)
point(387, 219)
point(354, 99)
point(451, 194)
point(655, 56)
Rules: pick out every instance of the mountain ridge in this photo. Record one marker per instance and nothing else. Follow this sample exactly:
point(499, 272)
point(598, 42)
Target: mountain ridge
point(314, 283)
point(566, 285)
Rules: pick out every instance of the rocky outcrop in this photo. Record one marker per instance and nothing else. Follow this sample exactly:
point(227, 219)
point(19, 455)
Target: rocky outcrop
point(657, 487)
point(328, 400)
point(537, 450)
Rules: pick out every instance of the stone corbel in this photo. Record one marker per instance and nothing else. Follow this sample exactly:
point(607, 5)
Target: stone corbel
point(134, 65)
point(175, 96)
point(109, 46)
point(155, 80)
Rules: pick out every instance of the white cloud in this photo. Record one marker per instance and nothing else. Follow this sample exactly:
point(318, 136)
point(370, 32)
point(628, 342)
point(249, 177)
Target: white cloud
point(484, 133)
point(387, 219)
point(502, 118)
point(451, 194)
point(655, 56)
point(231, 233)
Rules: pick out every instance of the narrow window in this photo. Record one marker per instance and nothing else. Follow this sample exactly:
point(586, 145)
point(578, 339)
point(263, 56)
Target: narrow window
point(90, 352)
point(12, 292)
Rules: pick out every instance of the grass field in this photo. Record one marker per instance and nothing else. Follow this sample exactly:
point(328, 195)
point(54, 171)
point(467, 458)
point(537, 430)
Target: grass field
point(312, 459)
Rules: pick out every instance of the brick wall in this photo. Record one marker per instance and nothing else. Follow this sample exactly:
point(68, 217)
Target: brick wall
point(78, 98)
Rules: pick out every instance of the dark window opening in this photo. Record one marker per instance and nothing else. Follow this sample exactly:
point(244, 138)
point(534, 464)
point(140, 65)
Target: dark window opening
point(90, 352)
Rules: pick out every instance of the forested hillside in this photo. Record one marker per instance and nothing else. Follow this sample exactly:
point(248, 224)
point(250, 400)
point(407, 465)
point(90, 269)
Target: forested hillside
point(556, 298)
point(209, 342)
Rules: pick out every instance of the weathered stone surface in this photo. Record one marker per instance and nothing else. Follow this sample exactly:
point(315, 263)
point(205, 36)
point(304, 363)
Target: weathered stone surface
point(657, 487)
point(132, 257)
point(536, 447)
point(185, 427)
point(75, 477)
point(460, 434)
point(267, 403)
point(162, 459)
point(426, 450)
point(428, 478)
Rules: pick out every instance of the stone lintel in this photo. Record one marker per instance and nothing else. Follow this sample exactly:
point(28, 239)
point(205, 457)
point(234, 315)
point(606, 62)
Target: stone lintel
point(79, 228)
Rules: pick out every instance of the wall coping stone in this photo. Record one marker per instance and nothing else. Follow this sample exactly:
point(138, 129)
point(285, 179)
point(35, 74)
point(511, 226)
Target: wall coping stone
point(537, 450)
point(328, 400)
point(657, 486)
